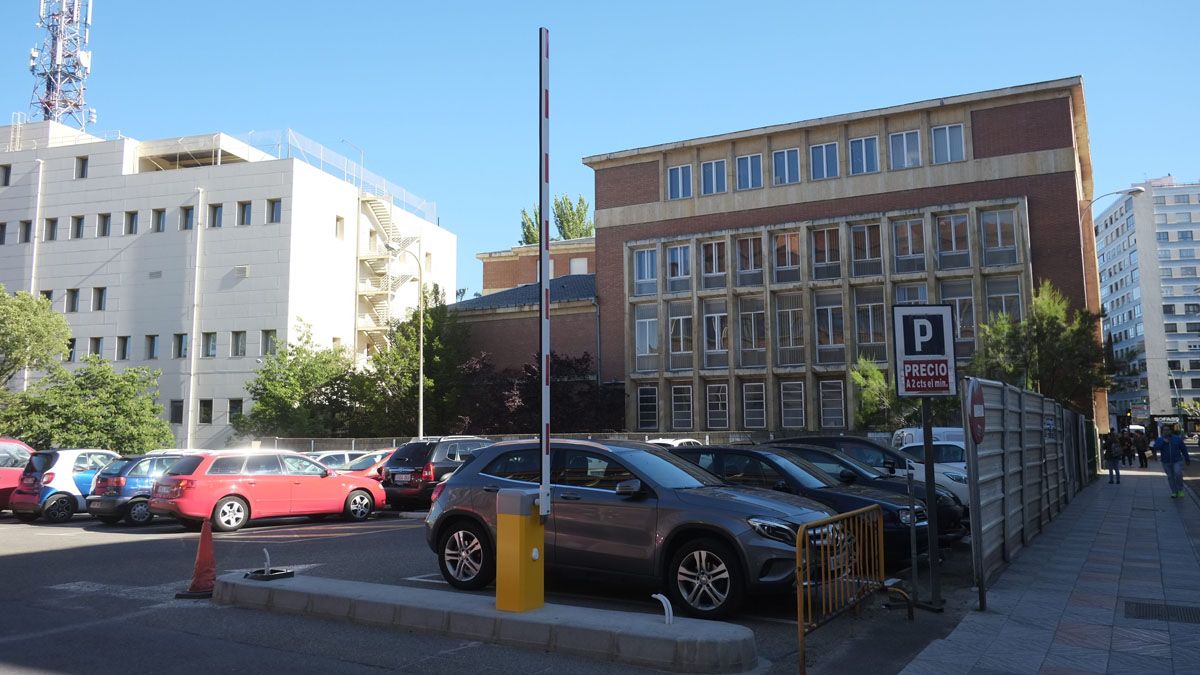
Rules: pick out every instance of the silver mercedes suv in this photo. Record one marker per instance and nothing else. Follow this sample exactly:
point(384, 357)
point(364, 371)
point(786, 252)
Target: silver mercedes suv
point(630, 510)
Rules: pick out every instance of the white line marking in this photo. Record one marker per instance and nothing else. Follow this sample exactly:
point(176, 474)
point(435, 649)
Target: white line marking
point(424, 578)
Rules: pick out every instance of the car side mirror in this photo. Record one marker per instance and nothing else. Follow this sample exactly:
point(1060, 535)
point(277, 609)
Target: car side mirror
point(890, 465)
point(781, 486)
point(847, 476)
point(328, 472)
point(629, 488)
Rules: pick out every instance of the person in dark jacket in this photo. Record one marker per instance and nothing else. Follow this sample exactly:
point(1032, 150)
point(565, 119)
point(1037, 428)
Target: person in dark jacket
point(1112, 457)
point(1141, 445)
point(1173, 454)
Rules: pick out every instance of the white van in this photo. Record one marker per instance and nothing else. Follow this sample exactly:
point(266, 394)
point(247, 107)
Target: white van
point(910, 435)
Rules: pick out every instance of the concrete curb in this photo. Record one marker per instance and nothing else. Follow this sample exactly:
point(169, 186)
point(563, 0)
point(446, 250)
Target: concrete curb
point(688, 645)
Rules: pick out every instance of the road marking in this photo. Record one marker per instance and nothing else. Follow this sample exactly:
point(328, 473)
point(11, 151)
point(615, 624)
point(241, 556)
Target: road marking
point(425, 579)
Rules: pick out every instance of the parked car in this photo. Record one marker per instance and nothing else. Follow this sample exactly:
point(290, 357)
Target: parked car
point(910, 435)
point(232, 489)
point(369, 465)
point(851, 471)
point(629, 510)
point(338, 459)
point(952, 474)
point(778, 469)
point(674, 442)
point(54, 483)
point(122, 489)
point(413, 469)
point(13, 456)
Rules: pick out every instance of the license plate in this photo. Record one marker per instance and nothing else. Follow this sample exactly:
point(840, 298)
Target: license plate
point(402, 477)
point(162, 490)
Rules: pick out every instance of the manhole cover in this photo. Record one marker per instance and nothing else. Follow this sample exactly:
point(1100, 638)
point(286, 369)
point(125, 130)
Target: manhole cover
point(1162, 612)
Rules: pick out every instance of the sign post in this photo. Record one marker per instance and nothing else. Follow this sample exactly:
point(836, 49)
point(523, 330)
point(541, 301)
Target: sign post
point(924, 348)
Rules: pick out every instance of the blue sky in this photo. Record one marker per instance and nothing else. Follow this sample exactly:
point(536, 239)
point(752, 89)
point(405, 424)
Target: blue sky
point(442, 96)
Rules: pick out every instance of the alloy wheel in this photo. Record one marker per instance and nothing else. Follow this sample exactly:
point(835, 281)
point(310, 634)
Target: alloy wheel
point(360, 506)
point(231, 514)
point(463, 555)
point(139, 512)
point(703, 580)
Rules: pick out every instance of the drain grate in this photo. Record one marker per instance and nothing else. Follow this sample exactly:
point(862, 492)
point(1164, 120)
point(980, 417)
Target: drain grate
point(1162, 612)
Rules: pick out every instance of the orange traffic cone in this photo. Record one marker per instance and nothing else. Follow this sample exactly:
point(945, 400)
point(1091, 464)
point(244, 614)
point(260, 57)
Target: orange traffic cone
point(205, 574)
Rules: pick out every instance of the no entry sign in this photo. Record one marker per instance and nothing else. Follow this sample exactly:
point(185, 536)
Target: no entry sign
point(924, 340)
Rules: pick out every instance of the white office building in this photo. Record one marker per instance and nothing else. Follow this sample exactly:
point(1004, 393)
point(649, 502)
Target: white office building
point(1150, 290)
point(196, 255)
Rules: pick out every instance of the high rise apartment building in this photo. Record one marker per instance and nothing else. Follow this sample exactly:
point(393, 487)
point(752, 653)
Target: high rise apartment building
point(1147, 251)
point(740, 276)
point(198, 256)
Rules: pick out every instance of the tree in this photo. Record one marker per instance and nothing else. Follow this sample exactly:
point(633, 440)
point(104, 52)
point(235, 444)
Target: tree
point(31, 334)
point(530, 231)
point(572, 219)
point(879, 407)
point(90, 407)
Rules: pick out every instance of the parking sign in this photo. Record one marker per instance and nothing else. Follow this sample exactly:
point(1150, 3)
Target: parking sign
point(924, 341)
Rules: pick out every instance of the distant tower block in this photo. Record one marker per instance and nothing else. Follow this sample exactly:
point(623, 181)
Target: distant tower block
point(62, 65)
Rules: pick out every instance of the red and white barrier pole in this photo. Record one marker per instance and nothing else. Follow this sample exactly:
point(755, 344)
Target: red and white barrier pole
point(544, 262)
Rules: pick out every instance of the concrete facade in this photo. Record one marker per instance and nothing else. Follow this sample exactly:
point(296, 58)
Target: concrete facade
point(192, 255)
point(519, 265)
point(739, 275)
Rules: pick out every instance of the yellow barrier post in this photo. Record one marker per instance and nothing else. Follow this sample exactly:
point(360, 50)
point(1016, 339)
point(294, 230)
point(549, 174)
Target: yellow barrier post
point(520, 543)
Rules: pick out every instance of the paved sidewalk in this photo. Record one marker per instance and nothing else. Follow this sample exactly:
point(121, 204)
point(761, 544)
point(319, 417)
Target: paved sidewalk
point(1066, 604)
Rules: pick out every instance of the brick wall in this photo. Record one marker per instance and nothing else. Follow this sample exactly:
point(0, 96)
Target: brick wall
point(513, 342)
point(628, 184)
point(504, 273)
point(1022, 127)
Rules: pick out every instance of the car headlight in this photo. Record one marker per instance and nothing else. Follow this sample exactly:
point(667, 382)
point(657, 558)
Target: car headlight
point(774, 529)
point(904, 515)
point(957, 477)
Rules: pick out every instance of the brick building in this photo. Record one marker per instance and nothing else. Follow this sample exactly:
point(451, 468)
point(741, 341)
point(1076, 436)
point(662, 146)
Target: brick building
point(740, 275)
point(519, 265)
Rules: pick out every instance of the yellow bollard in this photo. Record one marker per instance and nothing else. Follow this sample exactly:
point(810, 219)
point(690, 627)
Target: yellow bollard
point(520, 550)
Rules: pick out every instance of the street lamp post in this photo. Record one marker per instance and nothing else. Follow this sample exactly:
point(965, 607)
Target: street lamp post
point(390, 246)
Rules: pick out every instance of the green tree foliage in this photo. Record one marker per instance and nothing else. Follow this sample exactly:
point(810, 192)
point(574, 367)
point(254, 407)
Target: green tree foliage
point(1054, 350)
point(881, 409)
point(529, 227)
point(90, 407)
point(572, 219)
point(31, 334)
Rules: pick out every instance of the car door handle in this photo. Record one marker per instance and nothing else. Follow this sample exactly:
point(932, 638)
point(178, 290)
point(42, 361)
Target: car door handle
point(491, 488)
point(251, 482)
point(570, 497)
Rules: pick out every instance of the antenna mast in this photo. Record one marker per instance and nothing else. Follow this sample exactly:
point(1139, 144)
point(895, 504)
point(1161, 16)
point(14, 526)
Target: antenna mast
point(62, 65)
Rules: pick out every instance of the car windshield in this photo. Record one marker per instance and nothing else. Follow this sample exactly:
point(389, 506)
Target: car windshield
point(185, 466)
point(39, 462)
point(834, 462)
point(13, 456)
point(667, 470)
point(365, 462)
point(942, 452)
point(114, 467)
point(805, 471)
point(411, 454)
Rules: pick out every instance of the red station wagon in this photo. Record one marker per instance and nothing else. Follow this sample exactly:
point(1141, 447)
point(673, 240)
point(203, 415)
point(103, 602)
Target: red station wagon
point(233, 488)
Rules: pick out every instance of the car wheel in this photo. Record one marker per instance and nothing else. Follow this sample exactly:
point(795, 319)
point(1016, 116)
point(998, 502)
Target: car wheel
point(138, 513)
point(358, 506)
point(465, 557)
point(59, 509)
point(230, 514)
point(109, 520)
point(705, 579)
point(26, 517)
point(190, 524)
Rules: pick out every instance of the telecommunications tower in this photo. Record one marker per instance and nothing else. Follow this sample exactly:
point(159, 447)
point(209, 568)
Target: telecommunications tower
point(62, 65)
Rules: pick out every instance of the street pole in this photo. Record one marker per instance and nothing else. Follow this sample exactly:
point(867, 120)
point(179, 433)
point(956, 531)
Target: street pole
point(420, 347)
point(935, 580)
point(544, 260)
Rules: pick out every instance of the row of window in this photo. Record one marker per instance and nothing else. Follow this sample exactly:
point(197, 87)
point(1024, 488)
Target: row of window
point(714, 414)
point(997, 229)
point(1182, 198)
point(904, 152)
point(204, 412)
point(75, 228)
point(179, 346)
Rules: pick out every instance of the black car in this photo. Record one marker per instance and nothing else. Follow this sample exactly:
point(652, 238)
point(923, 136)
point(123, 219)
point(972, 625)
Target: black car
point(849, 470)
point(414, 468)
point(864, 450)
point(773, 469)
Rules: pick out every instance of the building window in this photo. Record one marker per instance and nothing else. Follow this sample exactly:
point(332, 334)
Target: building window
point(579, 266)
point(864, 155)
point(5, 175)
point(187, 217)
point(712, 177)
point(1185, 235)
point(122, 347)
point(70, 350)
point(716, 334)
point(908, 239)
point(823, 160)
point(81, 167)
point(791, 404)
point(958, 294)
point(274, 212)
point(866, 258)
point(787, 257)
point(1179, 199)
point(870, 324)
point(176, 411)
point(206, 411)
point(1004, 296)
point(679, 182)
point(245, 212)
point(26, 231)
point(131, 222)
point(680, 318)
point(749, 267)
point(952, 242)
point(749, 172)
point(713, 264)
point(237, 343)
point(645, 271)
point(717, 406)
point(208, 345)
point(339, 228)
point(72, 304)
point(77, 227)
point(215, 213)
point(833, 404)
point(647, 407)
point(269, 344)
point(679, 268)
point(645, 337)
point(235, 408)
point(947, 143)
point(789, 329)
point(754, 405)
point(681, 407)
point(831, 338)
point(827, 254)
point(1171, 327)
point(104, 225)
point(1185, 217)
point(51, 229)
point(97, 346)
point(158, 220)
point(999, 237)
point(180, 346)
point(787, 166)
point(905, 149)
point(911, 294)
point(752, 326)
point(1168, 310)
point(49, 296)
point(151, 347)
point(3, 233)
point(1160, 200)
point(99, 299)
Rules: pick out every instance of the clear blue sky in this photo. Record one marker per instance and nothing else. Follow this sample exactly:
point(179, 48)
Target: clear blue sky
point(443, 97)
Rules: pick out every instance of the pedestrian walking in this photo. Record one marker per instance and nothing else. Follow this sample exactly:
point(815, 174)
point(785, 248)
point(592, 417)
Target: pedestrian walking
point(1127, 448)
point(1173, 454)
point(1112, 458)
point(1141, 445)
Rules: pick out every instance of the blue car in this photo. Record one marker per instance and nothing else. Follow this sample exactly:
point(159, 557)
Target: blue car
point(122, 489)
